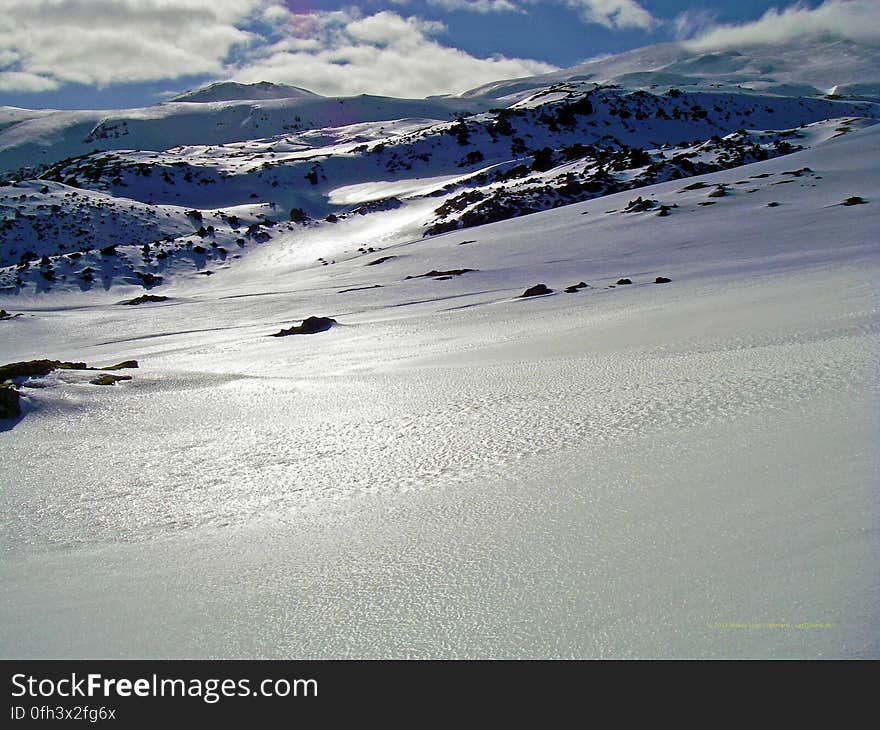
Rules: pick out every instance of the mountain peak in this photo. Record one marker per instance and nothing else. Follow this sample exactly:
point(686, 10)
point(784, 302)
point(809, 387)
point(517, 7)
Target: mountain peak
point(233, 91)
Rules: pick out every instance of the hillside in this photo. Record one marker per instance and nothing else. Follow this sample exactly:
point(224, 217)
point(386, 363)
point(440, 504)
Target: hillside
point(557, 369)
point(127, 216)
point(806, 67)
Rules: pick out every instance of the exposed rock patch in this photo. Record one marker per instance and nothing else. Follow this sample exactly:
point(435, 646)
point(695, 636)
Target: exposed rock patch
point(574, 288)
point(144, 299)
point(10, 407)
point(536, 291)
point(436, 274)
point(108, 379)
point(38, 368)
point(125, 365)
point(309, 326)
point(30, 368)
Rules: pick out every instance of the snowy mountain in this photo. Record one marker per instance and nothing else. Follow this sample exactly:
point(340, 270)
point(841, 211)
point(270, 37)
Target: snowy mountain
point(800, 68)
point(231, 91)
point(574, 369)
point(32, 140)
point(144, 214)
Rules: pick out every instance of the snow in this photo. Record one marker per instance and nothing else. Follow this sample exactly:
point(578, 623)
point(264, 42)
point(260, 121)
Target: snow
point(456, 472)
point(686, 469)
point(231, 91)
point(798, 68)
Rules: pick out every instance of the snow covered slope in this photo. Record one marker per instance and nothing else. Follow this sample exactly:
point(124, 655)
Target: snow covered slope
point(453, 470)
point(31, 140)
point(799, 68)
point(669, 449)
point(231, 91)
point(126, 216)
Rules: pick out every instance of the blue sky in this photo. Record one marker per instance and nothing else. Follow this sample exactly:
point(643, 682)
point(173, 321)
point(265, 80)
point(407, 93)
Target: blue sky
point(117, 53)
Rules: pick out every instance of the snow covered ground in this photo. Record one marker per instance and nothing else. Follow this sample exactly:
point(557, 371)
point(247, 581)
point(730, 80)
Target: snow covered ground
point(686, 469)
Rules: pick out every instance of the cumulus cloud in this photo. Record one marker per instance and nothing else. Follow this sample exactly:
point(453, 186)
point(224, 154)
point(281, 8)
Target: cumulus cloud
point(47, 43)
point(856, 20)
point(23, 81)
point(615, 14)
point(612, 14)
point(343, 52)
point(100, 42)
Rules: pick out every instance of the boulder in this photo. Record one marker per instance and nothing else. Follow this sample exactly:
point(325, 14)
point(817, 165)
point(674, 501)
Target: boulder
point(536, 291)
point(31, 368)
point(108, 379)
point(144, 299)
point(662, 280)
point(309, 326)
point(125, 365)
point(9, 402)
point(434, 273)
point(621, 282)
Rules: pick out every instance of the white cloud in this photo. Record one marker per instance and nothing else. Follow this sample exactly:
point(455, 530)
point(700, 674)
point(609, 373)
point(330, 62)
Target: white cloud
point(101, 42)
point(47, 43)
point(693, 22)
point(476, 6)
point(614, 14)
point(22, 81)
point(346, 53)
point(857, 20)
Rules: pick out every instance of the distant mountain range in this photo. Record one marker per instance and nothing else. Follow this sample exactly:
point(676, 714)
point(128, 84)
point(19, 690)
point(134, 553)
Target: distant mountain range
point(141, 195)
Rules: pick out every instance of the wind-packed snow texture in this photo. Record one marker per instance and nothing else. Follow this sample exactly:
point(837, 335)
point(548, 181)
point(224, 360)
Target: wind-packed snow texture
point(680, 469)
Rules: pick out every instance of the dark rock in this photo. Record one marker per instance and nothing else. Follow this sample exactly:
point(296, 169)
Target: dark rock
point(31, 368)
point(536, 291)
point(639, 205)
point(662, 280)
point(10, 407)
point(144, 299)
point(772, 204)
point(309, 326)
point(109, 379)
point(6, 315)
point(854, 200)
point(381, 260)
point(125, 365)
point(447, 274)
point(148, 279)
point(624, 281)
